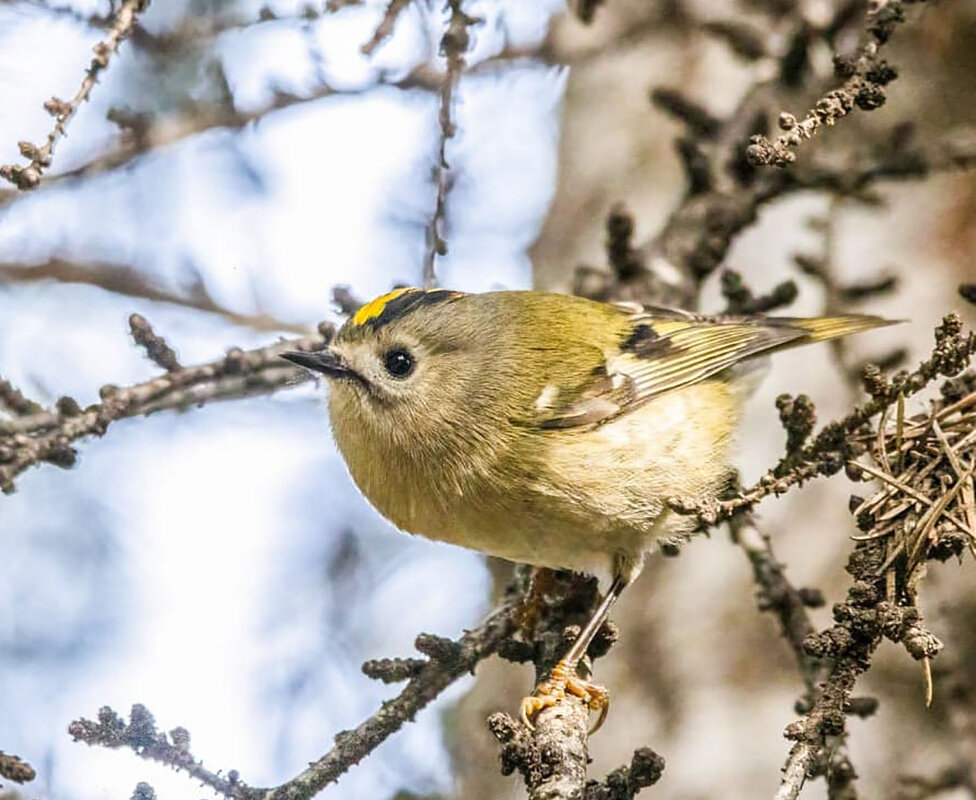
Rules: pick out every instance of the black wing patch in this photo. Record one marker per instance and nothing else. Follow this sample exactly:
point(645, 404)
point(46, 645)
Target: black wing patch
point(665, 350)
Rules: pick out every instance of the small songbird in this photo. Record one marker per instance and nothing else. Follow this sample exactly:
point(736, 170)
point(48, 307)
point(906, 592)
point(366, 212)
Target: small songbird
point(545, 428)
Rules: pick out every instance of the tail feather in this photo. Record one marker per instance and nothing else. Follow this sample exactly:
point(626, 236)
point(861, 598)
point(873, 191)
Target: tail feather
point(749, 373)
point(822, 329)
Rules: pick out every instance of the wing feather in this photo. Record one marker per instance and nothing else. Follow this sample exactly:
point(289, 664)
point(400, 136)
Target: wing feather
point(665, 349)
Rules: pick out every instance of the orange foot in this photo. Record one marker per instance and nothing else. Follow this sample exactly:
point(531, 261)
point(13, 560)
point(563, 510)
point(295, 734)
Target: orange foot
point(552, 691)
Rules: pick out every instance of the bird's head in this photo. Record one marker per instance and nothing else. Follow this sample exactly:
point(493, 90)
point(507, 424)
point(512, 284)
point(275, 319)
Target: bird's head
point(402, 367)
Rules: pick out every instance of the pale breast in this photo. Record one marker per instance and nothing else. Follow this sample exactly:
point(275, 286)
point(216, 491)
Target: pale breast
point(621, 473)
point(588, 497)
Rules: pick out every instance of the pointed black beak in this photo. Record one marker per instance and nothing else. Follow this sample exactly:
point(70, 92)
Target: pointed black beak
point(324, 361)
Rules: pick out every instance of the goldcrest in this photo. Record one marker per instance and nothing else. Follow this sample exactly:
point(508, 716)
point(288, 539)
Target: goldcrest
point(545, 428)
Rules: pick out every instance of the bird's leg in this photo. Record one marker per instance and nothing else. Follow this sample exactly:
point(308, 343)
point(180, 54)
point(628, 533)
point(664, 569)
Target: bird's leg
point(564, 678)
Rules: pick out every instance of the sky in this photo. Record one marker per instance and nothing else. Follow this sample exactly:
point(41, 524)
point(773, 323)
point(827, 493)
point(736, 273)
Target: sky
point(217, 565)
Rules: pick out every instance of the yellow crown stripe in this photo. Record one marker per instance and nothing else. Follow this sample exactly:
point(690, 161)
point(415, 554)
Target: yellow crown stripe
point(374, 308)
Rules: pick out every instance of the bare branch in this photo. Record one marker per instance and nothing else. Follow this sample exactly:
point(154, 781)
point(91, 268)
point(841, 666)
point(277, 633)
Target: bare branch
point(385, 29)
point(694, 240)
point(726, 191)
point(882, 600)
point(195, 118)
point(13, 400)
point(778, 596)
point(40, 157)
point(625, 783)
point(552, 757)
point(49, 436)
point(742, 300)
point(439, 673)
point(447, 661)
point(865, 78)
point(454, 44)
point(140, 735)
point(198, 118)
point(833, 447)
point(129, 282)
point(862, 621)
point(15, 769)
point(155, 345)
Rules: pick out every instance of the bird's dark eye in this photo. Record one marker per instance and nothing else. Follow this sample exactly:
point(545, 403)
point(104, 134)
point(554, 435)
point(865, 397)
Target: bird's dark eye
point(398, 362)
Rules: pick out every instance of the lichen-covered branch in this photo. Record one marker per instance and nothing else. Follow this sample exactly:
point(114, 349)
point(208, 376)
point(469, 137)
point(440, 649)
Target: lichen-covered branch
point(141, 736)
point(447, 661)
point(861, 622)
point(541, 758)
point(552, 758)
point(926, 513)
point(779, 597)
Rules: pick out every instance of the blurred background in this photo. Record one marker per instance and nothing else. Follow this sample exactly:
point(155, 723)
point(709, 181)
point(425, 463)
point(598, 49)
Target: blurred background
point(238, 161)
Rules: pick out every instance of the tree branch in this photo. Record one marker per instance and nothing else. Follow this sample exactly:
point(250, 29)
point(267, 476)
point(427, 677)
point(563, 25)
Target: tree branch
point(40, 157)
point(15, 769)
point(49, 436)
point(385, 29)
point(198, 118)
point(129, 282)
point(726, 191)
point(834, 446)
point(778, 596)
point(454, 44)
point(864, 87)
point(446, 662)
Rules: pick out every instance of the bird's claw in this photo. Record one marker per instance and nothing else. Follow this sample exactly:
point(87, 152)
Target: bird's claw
point(553, 691)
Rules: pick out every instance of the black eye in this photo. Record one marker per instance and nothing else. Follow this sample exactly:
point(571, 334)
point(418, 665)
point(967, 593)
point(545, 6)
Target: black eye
point(398, 362)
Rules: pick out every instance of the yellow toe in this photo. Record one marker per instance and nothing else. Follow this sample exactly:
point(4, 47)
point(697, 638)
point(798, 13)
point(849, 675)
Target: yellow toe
point(554, 690)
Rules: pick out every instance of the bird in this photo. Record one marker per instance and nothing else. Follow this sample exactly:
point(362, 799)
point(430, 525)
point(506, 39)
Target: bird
point(546, 428)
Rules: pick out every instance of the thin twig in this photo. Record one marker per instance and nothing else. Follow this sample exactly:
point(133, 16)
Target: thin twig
point(50, 435)
point(15, 769)
point(439, 673)
point(447, 661)
point(385, 29)
point(130, 282)
point(13, 401)
point(203, 117)
point(156, 347)
point(864, 87)
point(40, 157)
point(454, 44)
point(779, 596)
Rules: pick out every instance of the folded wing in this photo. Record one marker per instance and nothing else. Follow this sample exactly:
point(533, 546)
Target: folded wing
point(664, 350)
